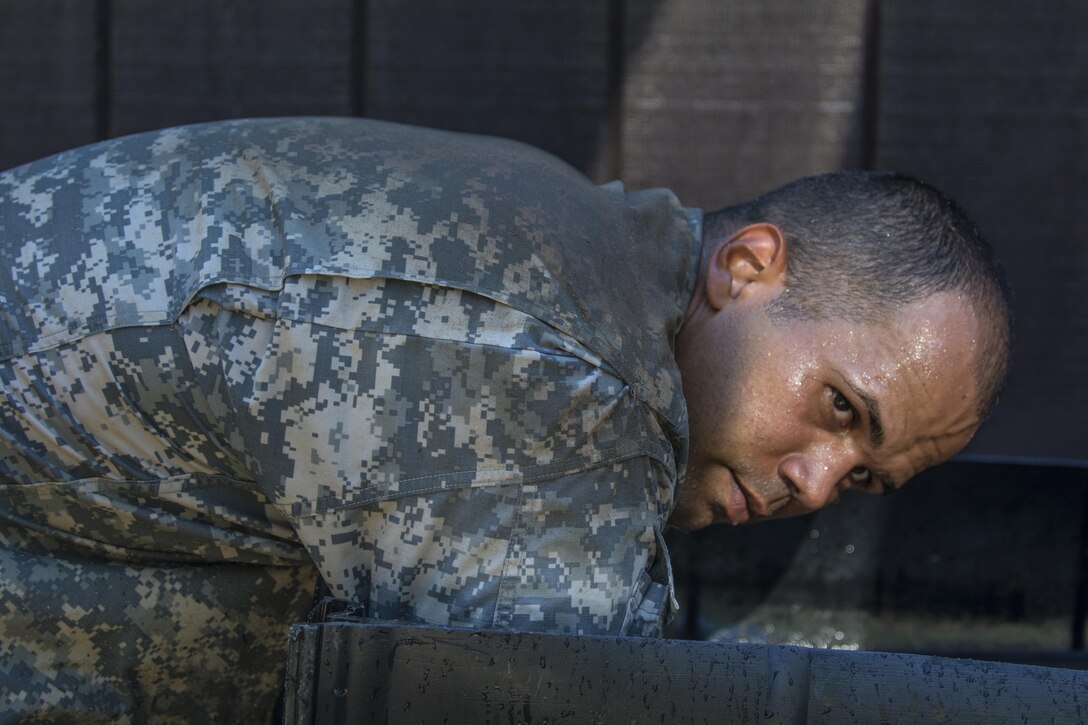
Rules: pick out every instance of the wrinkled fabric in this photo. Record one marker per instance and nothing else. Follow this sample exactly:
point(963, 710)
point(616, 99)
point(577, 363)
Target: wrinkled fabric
point(434, 369)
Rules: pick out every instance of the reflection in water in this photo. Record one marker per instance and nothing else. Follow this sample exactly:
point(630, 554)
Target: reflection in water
point(801, 626)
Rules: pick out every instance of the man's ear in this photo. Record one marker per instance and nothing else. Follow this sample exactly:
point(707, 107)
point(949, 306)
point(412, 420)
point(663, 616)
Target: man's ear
point(755, 255)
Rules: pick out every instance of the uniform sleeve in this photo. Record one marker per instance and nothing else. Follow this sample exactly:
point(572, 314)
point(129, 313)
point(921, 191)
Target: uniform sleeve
point(444, 458)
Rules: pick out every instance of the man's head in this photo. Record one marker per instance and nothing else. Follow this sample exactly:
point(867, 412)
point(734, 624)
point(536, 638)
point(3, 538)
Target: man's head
point(847, 331)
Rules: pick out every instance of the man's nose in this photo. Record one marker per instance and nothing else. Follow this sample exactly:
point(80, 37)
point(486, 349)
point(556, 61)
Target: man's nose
point(814, 481)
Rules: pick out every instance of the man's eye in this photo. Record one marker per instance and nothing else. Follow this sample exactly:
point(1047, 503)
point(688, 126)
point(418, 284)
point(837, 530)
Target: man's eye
point(842, 405)
point(860, 476)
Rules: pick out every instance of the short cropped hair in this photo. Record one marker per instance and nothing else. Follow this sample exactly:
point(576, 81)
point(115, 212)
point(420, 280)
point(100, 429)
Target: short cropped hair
point(861, 245)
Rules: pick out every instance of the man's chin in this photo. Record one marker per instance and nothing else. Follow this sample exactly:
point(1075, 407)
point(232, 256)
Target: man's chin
point(693, 518)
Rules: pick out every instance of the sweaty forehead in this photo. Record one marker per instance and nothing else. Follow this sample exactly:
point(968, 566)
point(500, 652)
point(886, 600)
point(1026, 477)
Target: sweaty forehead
point(938, 330)
point(928, 339)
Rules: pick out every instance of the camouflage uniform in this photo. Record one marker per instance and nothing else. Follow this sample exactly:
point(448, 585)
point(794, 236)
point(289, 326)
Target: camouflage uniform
point(438, 367)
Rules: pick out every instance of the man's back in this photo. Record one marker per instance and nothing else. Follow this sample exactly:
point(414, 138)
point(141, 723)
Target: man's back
point(396, 353)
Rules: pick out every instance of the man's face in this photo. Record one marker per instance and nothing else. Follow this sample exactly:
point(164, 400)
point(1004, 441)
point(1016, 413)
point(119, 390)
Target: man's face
point(786, 415)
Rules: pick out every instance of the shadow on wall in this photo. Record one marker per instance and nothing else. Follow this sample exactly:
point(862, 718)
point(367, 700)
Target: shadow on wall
point(547, 72)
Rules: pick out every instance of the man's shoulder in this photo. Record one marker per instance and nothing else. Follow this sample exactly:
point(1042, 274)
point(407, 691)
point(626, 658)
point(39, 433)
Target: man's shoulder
point(126, 232)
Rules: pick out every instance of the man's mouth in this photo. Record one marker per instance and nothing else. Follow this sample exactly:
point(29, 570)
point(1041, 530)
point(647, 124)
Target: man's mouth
point(743, 506)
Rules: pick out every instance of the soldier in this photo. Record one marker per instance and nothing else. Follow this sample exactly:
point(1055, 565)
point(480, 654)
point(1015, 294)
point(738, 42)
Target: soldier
point(443, 373)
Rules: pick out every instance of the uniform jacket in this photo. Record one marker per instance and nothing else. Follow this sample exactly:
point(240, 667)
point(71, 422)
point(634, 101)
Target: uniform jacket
point(437, 367)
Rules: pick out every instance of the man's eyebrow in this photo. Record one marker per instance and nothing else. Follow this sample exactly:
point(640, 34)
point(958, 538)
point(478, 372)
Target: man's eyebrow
point(876, 425)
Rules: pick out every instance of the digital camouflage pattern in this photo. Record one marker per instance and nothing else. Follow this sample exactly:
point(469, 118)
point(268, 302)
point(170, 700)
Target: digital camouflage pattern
point(434, 368)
